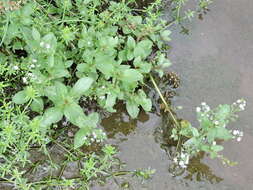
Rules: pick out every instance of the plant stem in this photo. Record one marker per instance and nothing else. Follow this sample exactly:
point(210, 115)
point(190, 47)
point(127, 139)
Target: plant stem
point(167, 107)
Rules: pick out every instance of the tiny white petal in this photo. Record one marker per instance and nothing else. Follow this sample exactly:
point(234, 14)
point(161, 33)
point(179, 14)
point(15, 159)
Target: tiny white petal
point(239, 101)
point(42, 44)
point(48, 46)
point(239, 139)
point(198, 109)
point(24, 79)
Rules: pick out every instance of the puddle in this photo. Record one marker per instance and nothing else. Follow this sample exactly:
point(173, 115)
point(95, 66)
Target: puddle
point(215, 66)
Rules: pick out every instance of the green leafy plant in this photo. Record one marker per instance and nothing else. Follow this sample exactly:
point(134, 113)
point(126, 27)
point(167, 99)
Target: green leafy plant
point(213, 128)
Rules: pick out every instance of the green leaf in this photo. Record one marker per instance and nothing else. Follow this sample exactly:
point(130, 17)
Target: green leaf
point(91, 120)
point(135, 19)
point(163, 62)
point(132, 109)
point(37, 105)
point(51, 93)
point(51, 40)
point(146, 104)
point(51, 115)
point(223, 112)
point(195, 132)
point(143, 49)
point(217, 148)
point(79, 138)
point(35, 34)
point(61, 89)
point(131, 42)
point(165, 35)
point(82, 85)
point(106, 68)
point(20, 97)
point(142, 66)
point(110, 102)
point(74, 113)
point(131, 75)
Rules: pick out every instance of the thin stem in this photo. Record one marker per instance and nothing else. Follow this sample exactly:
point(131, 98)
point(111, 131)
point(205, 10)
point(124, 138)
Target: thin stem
point(167, 108)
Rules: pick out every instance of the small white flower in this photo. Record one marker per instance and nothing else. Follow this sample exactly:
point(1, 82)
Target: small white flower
point(236, 132)
point(32, 66)
point(102, 97)
point(207, 108)
point(214, 142)
point(42, 44)
point(239, 139)
point(175, 159)
point(239, 101)
point(203, 103)
point(84, 138)
point(47, 46)
point(34, 60)
point(30, 75)
point(183, 155)
point(241, 106)
point(182, 164)
point(15, 67)
point(198, 109)
point(103, 87)
point(187, 159)
point(24, 79)
point(216, 122)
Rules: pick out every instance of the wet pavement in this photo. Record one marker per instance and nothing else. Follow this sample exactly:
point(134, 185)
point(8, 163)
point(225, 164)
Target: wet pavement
point(215, 65)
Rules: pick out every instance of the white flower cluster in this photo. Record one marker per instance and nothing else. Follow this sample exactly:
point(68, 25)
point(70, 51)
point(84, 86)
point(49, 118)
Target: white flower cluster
point(15, 67)
point(182, 160)
point(240, 104)
point(203, 108)
point(96, 136)
point(238, 135)
point(45, 45)
point(28, 77)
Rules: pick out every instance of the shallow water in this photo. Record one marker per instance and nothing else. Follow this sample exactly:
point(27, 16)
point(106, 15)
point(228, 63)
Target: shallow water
point(215, 65)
